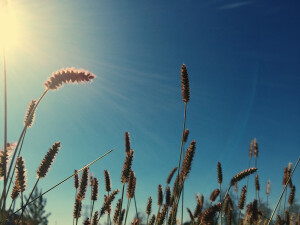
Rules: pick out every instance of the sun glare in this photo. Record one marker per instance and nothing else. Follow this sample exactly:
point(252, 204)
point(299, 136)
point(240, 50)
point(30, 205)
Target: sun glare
point(9, 28)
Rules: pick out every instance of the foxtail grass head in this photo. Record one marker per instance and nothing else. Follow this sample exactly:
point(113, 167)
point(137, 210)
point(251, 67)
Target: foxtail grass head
point(48, 160)
point(185, 135)
point(187, 161)
point(171, 175)
point(149, 206)
point(117, 211)
point(242, 198)
point(77, 209)
point(220, 174)
point(95, 218)
point(30, 114)
point(160, 195)
point(87, 222)
point(21, 175)
point(95, 188)
point(107, 202)
point(214, 195)
point(127, 142)
point(107, 181)
point(131, 185)
point(257, 186)
point(76, 179)
point(83, 184)
point(242, 175)
point(185, 86)
point(168, 196)
point(127, 167)
point(68, 75)
point(15, 191)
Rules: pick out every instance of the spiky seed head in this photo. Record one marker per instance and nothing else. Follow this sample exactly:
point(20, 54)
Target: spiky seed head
point(209, 214)
point(152, 220)
point(173, 213)
point(220, 175)
point(185, 86)
point(107, 202)
point(255, 148)
point(68, 75)
point(268, 187)
point(76, 179)
point(251, 149)
point(257, 186)
point(185, 135)
point(95, 189)
point(15, 191)
point(77, 209)
point(168, 196)
point(249, 214)
point(292, 195)
point(131, 185)
point(242, 198)
point(149, 206)
point(214, 195)
point(227, 205)
point(171, 175)
point(21, 175)
point(127, 142)
point(278, 220)
point(127, 167)
point(229, 217)
point(199, 205)
point(161, 216)
point(187, 161)
point(160, 196)
point(48, 160)
point(190, 214)
point(107, 181)
point(122, 217)
point(255, 210)
point(95, 218)
point(117, 211)
point(30, 114)
point(287, 217)
point(87, 222)
point(285, 176)
point(242, 175)
point(83, 184)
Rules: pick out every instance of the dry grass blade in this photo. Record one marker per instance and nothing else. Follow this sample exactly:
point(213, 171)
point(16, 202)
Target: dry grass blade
point(242, 175)
point(48, 160)
point(68, 75)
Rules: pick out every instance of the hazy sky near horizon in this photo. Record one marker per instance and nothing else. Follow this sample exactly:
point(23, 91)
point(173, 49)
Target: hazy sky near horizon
point(243, 62)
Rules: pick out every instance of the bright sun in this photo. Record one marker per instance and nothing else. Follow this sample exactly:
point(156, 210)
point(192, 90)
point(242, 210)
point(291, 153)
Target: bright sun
point(9, 27)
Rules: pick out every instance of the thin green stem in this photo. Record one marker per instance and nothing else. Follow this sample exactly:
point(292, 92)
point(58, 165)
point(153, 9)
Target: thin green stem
point(121, 203)
point(24, 207)
point(127, 210)
point(283, 190)
point(5, 126)
point(137, 216)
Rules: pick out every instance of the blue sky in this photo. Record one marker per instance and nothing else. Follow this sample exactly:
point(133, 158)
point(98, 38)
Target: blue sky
point(243, 63)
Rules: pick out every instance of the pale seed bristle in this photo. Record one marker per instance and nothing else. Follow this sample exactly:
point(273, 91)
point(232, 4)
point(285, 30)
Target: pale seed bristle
point(68, 75)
